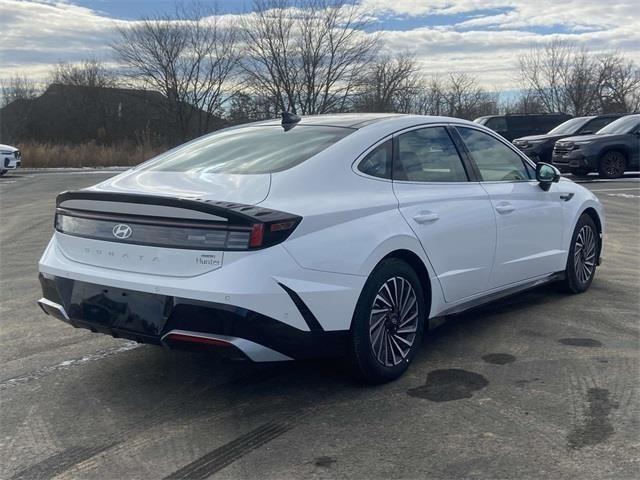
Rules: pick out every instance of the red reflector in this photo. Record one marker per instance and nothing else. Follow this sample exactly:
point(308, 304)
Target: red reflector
point(276, 227)
point(188, 338)
point(257, 235)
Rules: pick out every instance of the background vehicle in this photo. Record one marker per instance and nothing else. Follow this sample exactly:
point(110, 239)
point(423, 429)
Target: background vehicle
point(10, 158)
point(337, 234)
point(539, 148)
point(519, 125)
point(611, 151)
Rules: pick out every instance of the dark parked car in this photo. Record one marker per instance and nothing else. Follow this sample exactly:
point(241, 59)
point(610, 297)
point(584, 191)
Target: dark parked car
point(611, 151)
point(539, 148)
point(519, 125)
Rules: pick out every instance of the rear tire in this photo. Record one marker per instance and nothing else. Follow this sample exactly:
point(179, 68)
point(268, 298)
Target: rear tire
point(583, 256)
point(612, 164)
point(388, 322)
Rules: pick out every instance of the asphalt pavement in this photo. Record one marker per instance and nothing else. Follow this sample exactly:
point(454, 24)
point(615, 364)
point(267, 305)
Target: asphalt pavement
point(540, 385)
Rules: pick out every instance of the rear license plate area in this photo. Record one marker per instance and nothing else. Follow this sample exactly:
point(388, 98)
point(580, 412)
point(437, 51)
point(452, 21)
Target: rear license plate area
point(117, 308)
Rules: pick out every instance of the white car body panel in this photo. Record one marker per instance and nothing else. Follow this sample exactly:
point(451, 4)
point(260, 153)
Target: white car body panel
point(9, 157)
point(350, 222)
point(529, 231)
point(456, 227)
point(247, 189)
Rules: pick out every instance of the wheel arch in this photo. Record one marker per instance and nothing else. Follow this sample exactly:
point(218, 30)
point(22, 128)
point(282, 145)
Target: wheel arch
point(593, 214)
point(622, 149)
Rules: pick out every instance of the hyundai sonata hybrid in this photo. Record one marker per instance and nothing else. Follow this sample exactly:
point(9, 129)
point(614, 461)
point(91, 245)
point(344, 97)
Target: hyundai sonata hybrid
point(317, 236)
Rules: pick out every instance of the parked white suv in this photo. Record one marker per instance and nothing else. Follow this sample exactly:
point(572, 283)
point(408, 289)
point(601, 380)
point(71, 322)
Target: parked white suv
point(10, 158)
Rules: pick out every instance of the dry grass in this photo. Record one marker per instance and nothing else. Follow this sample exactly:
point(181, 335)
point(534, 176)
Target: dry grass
point(48, 155)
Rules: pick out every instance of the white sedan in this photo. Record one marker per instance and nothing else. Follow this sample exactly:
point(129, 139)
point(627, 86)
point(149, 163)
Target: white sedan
point(10, 158)
point(317, 236)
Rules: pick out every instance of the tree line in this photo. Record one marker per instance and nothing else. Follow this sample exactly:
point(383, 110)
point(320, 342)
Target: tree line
point(323, 56)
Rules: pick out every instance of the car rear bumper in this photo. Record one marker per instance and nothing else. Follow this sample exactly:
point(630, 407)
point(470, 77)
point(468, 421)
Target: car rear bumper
point(183, 323)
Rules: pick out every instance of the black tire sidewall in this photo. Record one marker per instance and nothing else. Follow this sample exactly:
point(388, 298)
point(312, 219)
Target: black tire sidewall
point(366, 366)
point(573, 284)
point(602, 171)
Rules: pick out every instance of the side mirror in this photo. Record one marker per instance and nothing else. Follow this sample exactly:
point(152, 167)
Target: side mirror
point(587, 132)
point(546, 174)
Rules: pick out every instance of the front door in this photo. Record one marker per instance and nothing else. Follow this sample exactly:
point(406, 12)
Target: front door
point(529, 220)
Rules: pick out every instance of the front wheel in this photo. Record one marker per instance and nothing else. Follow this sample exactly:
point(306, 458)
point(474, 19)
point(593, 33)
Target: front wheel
point(388, 322)
point(612, 165)
point(583, 256)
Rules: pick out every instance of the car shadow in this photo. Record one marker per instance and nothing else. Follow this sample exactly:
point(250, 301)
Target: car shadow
point(203, 379)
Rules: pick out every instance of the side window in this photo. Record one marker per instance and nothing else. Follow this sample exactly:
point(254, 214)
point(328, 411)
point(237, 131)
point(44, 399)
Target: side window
point(497, 124)
point(495, 160)
point(596, 124)
point(377, 163)
point(428, 155)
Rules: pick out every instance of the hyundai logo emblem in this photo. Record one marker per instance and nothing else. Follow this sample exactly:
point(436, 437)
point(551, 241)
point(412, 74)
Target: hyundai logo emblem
point(122, 231)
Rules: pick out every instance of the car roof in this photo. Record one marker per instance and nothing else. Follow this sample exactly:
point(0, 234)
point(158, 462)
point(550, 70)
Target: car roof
point(348, 120)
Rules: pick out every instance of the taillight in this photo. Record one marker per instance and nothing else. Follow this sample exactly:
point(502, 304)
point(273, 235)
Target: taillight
point(257, 235)
point(268, 234)
point(234, 233)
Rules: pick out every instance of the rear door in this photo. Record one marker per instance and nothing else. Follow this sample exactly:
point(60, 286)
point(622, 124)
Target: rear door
point(451, 215)
point(529, 220)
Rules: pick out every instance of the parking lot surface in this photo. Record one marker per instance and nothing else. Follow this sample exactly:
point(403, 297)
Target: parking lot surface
point(540, 385)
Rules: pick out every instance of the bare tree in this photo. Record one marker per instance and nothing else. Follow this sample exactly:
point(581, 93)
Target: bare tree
point(307, 54)
point(244, 108)
point(87, 73)
point(189, 57)
point(457, 95)
point(620, 89)
point(388, 85)
point(568, 78)
point(18, 87)
point(525, 102)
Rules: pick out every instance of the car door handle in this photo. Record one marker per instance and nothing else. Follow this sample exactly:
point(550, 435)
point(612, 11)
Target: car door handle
point(426, 217)
point(566, 196)
point(505, 208)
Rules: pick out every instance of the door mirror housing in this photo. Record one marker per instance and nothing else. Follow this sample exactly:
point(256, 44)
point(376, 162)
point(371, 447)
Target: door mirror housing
point(546, 174)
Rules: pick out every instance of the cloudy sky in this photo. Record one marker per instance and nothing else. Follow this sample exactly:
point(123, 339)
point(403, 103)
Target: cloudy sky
point(481, 37)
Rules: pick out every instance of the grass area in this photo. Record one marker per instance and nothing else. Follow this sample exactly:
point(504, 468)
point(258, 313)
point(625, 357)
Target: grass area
point(50, 155)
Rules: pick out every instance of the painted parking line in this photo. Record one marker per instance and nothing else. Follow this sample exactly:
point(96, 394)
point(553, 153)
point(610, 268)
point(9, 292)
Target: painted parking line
point(50, 369)
point(622, 195)
point(614, 189)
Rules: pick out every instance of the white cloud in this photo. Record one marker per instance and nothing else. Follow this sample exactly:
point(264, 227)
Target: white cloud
point(482, 37)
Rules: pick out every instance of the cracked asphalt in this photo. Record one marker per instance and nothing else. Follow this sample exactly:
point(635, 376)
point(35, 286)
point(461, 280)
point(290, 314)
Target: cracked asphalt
point(539, 385)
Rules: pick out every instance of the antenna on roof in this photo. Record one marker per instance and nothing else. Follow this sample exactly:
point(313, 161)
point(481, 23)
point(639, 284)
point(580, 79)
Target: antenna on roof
point(289, 120)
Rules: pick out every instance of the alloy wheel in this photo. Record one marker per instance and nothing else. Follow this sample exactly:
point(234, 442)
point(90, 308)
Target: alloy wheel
point(613, 165)
point(584, 254)
point(393, 321)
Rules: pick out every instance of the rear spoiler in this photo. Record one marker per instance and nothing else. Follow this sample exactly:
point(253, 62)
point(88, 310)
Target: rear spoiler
point(234, 212)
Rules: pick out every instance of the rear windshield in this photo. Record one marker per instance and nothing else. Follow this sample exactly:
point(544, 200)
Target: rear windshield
point(623, 125)
point(249, 150)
